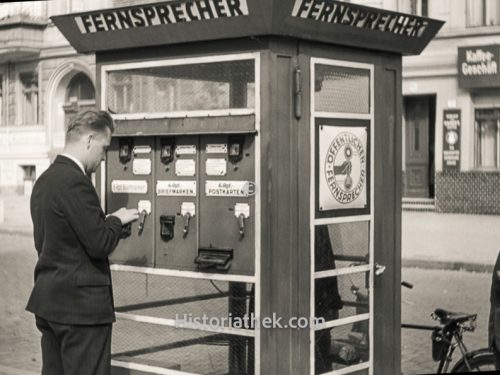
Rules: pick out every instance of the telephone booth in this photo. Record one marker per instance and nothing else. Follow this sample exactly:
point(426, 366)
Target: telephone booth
point(261, 142)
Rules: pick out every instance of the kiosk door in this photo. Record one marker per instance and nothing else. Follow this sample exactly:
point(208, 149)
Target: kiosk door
point(342, 216)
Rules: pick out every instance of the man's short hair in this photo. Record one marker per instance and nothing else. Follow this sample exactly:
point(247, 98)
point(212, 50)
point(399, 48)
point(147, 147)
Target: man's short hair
point(87, 121)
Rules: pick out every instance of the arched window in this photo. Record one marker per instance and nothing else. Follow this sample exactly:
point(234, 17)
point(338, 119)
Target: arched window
point(80, 88)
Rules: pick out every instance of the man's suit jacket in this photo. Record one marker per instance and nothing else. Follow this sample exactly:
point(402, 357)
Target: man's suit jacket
point(73, 240)
point(494, 323)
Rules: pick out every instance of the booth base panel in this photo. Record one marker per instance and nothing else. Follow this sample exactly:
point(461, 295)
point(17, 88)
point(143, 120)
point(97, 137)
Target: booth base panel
point(117, 370)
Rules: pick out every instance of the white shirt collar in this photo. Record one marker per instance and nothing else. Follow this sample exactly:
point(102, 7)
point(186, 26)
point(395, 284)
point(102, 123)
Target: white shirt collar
point(78, 162)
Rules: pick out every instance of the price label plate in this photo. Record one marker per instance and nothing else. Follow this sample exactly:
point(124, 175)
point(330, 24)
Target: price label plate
point(129, 186)
point(216, 167)
point(229, 188)
point(170, 188)
point(141, 167)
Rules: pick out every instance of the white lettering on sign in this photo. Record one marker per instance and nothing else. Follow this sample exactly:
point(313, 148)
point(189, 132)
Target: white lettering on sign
point(479, 63)
point(141, 167)
point(185, 167)
point(129, 186)
point(176, 188)
point(160, 14)
point(343, 13)
point(229, 188)
point(216, 148)
point(452, 121)
point(216, 167)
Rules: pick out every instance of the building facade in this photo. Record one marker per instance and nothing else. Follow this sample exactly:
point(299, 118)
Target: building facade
point(42, 82)
point(451, 91)
point(451, 155)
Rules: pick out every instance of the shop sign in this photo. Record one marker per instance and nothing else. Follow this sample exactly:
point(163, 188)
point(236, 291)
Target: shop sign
point(451, 139)
point(478, 66)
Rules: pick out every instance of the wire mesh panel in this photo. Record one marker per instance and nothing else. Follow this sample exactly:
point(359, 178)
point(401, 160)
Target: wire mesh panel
point(182, 349)
point(341, 296)
point(219, 303)
point(341, 89)
point(341, 245)
point(189, 87)
point(340, 347)
point(155, 312)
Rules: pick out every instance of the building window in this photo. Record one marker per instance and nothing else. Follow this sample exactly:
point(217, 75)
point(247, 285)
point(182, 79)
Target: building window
point(29, 101)
point(29, 172)
point(2, 122)
point(483, 13)
point(487, 138)
point(419, 8)
point(80, 88)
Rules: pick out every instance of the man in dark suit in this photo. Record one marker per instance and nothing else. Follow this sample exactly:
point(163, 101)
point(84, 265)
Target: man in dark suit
point(494, 324)
point(72, 297)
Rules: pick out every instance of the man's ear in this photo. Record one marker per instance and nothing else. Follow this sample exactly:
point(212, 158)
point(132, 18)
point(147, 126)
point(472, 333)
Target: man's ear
point(90, 138)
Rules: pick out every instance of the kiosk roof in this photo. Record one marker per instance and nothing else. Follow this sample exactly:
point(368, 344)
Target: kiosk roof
point(183, 21)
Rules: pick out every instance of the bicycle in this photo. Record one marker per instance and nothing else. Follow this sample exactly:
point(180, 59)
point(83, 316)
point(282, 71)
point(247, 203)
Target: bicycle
point(448, 335)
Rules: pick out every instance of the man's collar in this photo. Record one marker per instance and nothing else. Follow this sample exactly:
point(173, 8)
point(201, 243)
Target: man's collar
point(77, 162)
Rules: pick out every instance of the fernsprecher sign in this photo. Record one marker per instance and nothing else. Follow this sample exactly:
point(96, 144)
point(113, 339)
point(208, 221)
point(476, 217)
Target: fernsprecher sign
point(478, 66)
point(160, 14)
point(359, 17)
point(342, 168)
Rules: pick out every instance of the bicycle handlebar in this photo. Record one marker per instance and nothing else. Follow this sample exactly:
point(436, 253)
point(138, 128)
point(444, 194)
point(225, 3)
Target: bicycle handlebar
point(406, 284)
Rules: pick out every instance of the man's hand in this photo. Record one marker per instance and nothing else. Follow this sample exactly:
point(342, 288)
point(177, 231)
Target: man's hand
point(345, 168)
point(126, 215)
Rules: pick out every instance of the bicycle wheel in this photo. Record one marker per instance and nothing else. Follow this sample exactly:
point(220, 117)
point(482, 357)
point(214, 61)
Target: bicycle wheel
point(480, 360)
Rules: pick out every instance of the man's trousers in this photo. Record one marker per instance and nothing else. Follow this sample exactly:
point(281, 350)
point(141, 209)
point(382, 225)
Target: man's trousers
point(75, 349)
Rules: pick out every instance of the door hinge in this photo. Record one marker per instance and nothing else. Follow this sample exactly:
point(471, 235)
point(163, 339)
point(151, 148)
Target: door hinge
point(297, 95)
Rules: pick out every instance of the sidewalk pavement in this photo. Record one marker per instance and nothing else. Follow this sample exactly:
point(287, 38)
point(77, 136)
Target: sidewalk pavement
point(450, 241)
point(429, 239)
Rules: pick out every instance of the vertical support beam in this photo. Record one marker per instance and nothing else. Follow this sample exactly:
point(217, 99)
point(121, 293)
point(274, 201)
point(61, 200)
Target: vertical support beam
point(280, 216)
point(302, 281)
point(387, 246)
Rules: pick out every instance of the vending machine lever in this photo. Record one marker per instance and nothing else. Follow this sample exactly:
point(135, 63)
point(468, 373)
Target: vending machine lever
point(188, 210)
point(142, 220)
point(241, 224)
point(242, 212)
point(187, 217)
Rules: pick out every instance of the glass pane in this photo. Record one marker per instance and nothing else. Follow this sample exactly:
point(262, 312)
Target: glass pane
point(182, 349)
point(416, 138)
point(341, 347)
point(341, 296)
point(341, 89)
point(493, 12)
point(183, 299)
point(475, 13)
point(80, 88)
point(207, 86)
point(488, 142)
point(341, 245)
